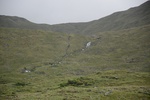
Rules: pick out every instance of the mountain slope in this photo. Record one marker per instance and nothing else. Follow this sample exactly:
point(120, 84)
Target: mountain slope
point(115, 65)
point(134, 17)
point(122, 49)
point(18, 22)
point(22, 47)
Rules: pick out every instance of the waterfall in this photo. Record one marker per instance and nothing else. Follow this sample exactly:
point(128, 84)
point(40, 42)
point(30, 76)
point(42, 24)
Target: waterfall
point(88, 44)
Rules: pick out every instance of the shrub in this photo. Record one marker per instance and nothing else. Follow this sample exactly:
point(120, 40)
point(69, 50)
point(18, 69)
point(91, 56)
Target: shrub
point(82, 81)
point(21, 84)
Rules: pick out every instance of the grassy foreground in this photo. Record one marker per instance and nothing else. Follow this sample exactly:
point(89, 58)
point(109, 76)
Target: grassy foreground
point(107, 85)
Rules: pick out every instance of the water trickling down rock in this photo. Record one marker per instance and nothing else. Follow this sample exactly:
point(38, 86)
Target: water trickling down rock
point(88, 44)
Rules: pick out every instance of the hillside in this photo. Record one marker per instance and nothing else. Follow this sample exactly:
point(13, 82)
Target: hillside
point(134, 17)
point(18, 22)
point(22, 47)
point(116, 64)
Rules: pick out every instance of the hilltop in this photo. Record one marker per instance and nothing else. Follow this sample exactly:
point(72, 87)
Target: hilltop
point(133, 17)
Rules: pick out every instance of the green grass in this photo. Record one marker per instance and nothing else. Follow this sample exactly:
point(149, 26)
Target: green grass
point(23, 48)
point(114, 67)
point(109, 85)
point(126, 49)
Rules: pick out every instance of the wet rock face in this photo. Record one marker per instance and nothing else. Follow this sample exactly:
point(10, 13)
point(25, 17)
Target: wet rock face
point(88, 44)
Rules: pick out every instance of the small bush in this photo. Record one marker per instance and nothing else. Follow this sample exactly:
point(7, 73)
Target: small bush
point(21, 84)
point(79, 82)
point(110, 77)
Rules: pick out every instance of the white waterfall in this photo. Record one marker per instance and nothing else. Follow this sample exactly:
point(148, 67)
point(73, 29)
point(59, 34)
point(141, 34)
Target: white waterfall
point(88, 44)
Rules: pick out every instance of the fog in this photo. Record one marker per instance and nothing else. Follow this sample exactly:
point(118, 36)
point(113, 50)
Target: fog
point(64, 11)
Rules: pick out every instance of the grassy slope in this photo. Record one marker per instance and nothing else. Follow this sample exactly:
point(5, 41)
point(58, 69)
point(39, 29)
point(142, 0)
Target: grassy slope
point(81, 74)
point(133, 17)
point(127, 49)
point(22, 23)
point(23, 47)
